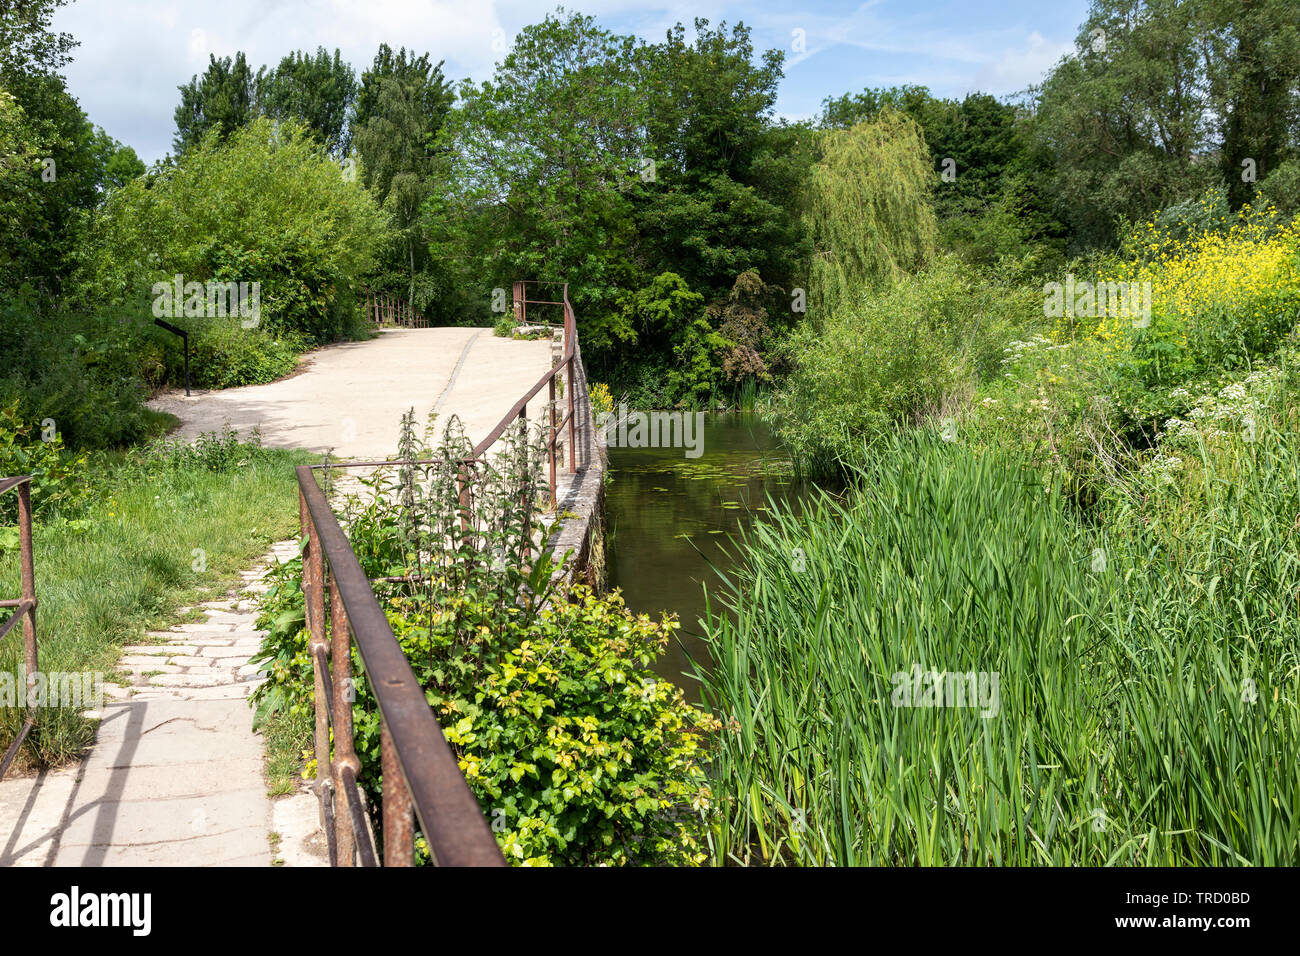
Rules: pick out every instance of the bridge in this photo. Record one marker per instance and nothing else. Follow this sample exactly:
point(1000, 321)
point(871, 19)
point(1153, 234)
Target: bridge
point(175, 777)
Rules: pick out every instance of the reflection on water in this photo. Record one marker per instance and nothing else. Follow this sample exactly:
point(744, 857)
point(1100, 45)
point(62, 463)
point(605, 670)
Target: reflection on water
point(672, 517)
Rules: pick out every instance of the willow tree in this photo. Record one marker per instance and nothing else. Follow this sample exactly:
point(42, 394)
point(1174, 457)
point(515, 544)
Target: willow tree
point(869, 211)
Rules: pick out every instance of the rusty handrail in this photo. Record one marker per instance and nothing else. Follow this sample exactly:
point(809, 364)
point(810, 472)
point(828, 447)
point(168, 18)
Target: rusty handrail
point(420, 773)
point(519, 409)
point(383, 310)
point(422, 779)
point(24, 606)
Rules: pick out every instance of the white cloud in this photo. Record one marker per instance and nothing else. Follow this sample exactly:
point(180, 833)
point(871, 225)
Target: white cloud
point(1021, 65)
point(133, 54)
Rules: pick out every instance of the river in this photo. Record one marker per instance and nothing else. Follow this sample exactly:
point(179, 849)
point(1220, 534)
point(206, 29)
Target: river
point(672, 520)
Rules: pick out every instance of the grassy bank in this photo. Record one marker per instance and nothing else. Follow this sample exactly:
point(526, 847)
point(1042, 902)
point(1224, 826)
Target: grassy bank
point(164, 528)
point(1137, 699)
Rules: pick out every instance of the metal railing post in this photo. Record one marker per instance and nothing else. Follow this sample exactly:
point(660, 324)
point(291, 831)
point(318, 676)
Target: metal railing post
point(345, 755)
point(28, 580)
point(550, 448)
point(524, 503)
point(313, 576)
point(399, 816)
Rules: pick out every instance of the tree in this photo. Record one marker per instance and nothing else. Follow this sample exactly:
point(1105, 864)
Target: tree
point(263, 205)
point(548, 150)
point(316, 90)
point(27, 45)
point(727, 177)
point(65, 180)
point(120, 163)
point(1163, 100)
point(20, 156)
point(1254, 84)
point(869, 211)
point(224, 99)
point(401, 106)
point(991, 202)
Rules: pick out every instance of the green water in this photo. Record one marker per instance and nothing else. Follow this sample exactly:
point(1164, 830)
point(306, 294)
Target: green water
point(672, 520)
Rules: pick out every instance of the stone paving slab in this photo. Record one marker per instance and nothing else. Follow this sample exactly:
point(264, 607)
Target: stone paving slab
point(176, 776)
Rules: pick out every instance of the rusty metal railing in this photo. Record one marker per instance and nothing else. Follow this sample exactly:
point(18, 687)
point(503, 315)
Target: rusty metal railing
point(384, 310)
point(421, 777)
point(24, 606)
point(520, 408)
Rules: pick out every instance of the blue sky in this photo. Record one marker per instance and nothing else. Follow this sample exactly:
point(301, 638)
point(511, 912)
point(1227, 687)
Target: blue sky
point(134, 53)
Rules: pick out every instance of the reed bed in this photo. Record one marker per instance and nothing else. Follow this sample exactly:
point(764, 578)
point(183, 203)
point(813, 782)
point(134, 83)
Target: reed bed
point(1145, 665)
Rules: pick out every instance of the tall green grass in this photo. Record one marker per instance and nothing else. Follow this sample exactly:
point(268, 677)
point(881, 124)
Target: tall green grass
point(160, 533)
point(1125, 732)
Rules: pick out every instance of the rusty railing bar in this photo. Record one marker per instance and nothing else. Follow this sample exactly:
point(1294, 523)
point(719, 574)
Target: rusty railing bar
point(22, 608)
point(563, 421)
point(25, 608)
point(12, 752)
point(497, 432)
point(321, 658)
point(313, 588)
point(340, 706)
point(365, 849)
point(399, 816)
point(447, 810)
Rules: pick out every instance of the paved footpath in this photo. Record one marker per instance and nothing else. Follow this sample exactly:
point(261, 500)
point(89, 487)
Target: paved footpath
point(351, 397)
point(175, 777)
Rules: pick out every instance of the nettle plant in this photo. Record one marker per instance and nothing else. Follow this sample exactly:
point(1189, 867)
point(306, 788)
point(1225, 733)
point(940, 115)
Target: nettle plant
point(577, 752)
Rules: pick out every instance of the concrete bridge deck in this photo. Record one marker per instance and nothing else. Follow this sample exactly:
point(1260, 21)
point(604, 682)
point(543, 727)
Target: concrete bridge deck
point(351, 397)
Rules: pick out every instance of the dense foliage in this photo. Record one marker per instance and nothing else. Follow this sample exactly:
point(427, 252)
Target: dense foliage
point(577, 753)
point(1138, 702)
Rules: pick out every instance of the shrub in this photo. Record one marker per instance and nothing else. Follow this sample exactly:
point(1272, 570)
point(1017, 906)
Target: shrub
point(602, 400)
point(915, 351)
point(224, 355)
point(576, 752)
point(86, 371)
point(504, 326)
point(59, 479)
point(266, 205)
point(1225, 295)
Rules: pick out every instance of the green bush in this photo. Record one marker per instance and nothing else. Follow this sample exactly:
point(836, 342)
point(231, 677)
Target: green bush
point(915, 351)
point(266, 205)
point(504, 326)
point(224, 355)
point(59, 479)
point(577, 753)
point(89, 372)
